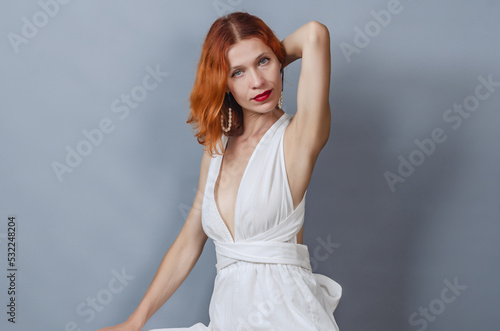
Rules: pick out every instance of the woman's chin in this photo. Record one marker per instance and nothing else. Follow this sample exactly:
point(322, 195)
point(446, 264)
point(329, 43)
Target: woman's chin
point(265, 106)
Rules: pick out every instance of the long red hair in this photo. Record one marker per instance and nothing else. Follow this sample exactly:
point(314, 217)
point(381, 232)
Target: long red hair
point(208, 100)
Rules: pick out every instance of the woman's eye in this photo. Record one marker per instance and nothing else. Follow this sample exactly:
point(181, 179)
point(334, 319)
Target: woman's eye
point(264, 60)
point(236, 73)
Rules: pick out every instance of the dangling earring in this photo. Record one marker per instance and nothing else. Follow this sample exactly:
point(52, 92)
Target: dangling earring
point(280, 100)
point(230, 115)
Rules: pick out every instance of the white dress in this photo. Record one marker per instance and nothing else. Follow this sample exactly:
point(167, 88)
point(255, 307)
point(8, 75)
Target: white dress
point(264, 278)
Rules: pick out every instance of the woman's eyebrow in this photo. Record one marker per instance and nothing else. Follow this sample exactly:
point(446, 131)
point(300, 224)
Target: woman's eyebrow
point(258, 56)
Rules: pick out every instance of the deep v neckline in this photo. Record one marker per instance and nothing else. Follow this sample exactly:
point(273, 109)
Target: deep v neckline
point(219, 166)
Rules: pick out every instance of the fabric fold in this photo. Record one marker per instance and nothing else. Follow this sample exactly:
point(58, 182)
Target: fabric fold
point(262, 252)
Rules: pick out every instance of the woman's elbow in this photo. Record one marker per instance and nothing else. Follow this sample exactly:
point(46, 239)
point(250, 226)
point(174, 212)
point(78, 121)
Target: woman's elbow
point(318, 32)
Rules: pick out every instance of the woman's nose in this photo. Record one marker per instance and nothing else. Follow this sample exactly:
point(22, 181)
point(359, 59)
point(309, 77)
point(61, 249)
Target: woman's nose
point(257, 78)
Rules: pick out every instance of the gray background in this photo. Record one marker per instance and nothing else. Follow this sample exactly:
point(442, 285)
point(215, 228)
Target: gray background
point(122, 207)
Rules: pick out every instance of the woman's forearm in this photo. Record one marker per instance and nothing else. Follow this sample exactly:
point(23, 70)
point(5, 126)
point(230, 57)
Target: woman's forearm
point(173, 270)
point(295, 42)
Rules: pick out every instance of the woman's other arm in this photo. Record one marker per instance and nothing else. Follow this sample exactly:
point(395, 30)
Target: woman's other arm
point(309, 129)
point(311, 123)
point(177, 263)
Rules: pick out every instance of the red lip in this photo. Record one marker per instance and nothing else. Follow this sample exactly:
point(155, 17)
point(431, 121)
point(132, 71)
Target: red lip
point(263, 96)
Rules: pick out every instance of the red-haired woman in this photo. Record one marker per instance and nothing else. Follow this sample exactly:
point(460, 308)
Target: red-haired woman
point(251, 195)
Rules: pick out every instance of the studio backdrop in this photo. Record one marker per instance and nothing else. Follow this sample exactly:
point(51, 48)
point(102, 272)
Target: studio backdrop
point(99, 169)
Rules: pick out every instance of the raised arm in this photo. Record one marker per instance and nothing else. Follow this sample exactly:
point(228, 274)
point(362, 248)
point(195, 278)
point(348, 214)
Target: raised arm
point(311, 123)
point(176, 264)
point(309, 129)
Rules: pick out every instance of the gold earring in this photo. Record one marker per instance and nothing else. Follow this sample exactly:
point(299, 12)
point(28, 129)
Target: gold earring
point(280, 101)
point(230, 115)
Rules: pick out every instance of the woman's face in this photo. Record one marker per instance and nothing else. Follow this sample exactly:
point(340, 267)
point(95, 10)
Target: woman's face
point(254, 70)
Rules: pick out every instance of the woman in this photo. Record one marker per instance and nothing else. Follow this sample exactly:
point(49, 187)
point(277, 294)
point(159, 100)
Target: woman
point(251, 196)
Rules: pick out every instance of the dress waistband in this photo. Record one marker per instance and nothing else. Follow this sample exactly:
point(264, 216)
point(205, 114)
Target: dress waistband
point(261, 252)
